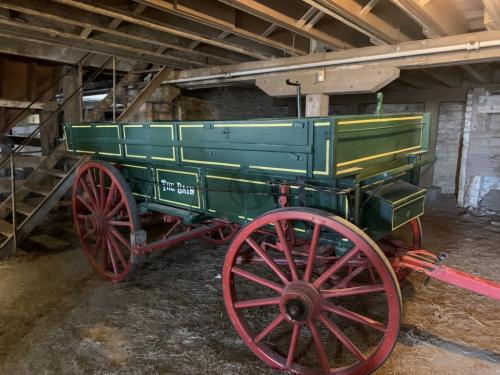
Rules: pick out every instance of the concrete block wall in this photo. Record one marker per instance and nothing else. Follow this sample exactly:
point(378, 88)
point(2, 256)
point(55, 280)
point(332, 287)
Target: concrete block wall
point(449, 135)
point(480, 156)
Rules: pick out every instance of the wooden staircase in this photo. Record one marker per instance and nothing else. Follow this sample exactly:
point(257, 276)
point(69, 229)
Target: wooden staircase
point(48, 183)
point(36, 197)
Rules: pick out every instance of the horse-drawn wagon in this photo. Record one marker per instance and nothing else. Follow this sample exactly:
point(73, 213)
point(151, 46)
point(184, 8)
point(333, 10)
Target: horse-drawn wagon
point(322, 217)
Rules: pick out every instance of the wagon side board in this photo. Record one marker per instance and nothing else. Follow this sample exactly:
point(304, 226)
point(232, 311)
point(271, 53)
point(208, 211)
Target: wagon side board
point(225, 168)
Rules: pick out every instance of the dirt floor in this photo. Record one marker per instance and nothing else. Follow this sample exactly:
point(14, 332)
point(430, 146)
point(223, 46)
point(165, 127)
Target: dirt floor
point(58, 317)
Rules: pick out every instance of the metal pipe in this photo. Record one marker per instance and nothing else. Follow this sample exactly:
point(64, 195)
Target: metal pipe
point(352, 60)
point(114, 89)
point(13, 200)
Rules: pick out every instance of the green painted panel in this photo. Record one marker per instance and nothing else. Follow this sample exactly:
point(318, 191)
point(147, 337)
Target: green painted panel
point(179, 187)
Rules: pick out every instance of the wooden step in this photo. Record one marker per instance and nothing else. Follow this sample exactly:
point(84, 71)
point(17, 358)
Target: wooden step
point(24, 208)
point(21, 207)
point(52, 172)
point(34, 188)
point(6, 228)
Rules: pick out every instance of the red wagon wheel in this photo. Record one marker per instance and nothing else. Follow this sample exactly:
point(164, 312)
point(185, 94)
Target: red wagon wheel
point(223, 235)
point(406, 238)
point(105, 214)
point(303, 309)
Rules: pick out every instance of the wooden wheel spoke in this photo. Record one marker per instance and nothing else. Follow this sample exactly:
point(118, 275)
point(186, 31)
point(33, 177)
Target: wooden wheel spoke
point(286, 250)
point(118, 251)
point(336, 267)
point(88, 206)
point(91, 178)
point(271, 327)
point(112, 256)
point(269, 261)
point(257, 302)
point(353, 291)
point(354, 316)
point(88, 234)
point(116, 209)
point(319, 347)
point(293, 345)
point(86, 189)
point(343, 282)
point(109, 199)
point(257, 279)
point(120, 238)
point(312, 252)
point(102, 192)
point(119, 223)
point(332, 327)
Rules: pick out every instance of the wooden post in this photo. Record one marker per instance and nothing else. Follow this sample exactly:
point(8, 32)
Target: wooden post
point(73, 108)
point(317, 105)
point(49, 132)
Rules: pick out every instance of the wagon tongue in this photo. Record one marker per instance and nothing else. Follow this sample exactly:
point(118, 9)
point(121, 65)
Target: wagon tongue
point(431, 265)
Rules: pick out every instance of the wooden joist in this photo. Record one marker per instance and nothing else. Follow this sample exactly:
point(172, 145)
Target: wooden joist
point(271, 15)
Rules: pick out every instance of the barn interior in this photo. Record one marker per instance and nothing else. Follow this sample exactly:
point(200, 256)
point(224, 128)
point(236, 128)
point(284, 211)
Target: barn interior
point(141, 61)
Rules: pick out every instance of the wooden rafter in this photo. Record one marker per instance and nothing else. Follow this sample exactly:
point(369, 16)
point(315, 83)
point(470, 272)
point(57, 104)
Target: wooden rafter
point(155, 25)
point(198, 15)
point(437, 18)
point(492, 14)
point(354, 15)
point(271, 15)
point(47, 34)
point(52, 13)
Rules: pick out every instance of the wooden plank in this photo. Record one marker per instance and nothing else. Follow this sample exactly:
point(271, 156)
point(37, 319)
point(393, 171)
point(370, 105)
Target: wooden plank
point(271, 15)
point(20, 104)
point(317, 105)
point(332, 81)
point(152, 24)
point(50, 12)
point(211, 17)
point(358, 17)
point(437, 18)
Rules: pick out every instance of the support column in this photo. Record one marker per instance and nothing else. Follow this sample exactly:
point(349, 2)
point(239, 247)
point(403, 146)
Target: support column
point(50, 130)
point(317, 105)
point(71, 82)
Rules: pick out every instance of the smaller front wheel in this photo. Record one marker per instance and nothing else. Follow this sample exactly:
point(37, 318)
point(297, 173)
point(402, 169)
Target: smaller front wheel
point(105, 214)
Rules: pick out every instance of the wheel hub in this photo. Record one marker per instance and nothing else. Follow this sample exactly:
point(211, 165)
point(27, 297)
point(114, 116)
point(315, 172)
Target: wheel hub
point(100, 222)
point(300, 302)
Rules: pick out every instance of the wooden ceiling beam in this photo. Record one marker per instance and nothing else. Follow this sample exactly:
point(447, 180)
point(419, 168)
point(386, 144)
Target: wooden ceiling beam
point(271, 15)
point(414, 55)
point(476, 73)
point(437, 18)
point(50, 12)
point(57, 53)
point(108, 11)
point(115, 22)
point(354, 15)
point(32, 33)
point(448, 76)
point(491, 14)
point(190, 12)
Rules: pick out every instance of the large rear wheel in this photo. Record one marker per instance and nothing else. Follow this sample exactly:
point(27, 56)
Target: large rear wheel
point(105, 214)
point(310, 293)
